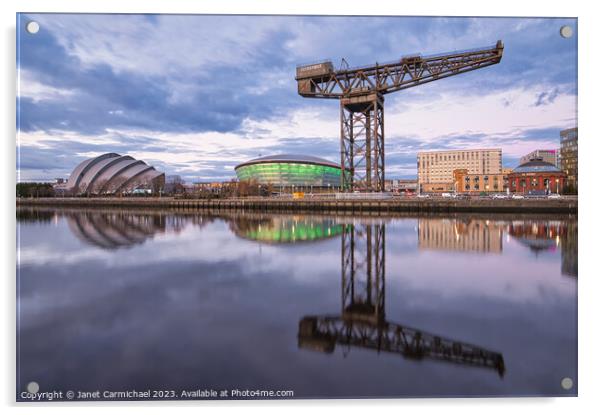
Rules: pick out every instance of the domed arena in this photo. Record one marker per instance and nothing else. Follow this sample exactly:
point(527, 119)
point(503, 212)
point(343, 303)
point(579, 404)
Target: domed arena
point(291, 170)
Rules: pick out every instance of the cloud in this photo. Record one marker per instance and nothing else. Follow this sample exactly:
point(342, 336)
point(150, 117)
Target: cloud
point(197, 94)
point(546, 97)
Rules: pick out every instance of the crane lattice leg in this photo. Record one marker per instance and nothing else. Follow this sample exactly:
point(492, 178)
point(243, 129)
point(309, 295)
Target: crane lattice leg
point(363, 143)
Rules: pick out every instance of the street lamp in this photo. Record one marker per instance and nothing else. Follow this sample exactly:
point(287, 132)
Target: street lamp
point(557, 186)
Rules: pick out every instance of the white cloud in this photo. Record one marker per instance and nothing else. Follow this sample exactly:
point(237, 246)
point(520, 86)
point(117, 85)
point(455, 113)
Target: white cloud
point(30, 87)
point(162, 44)
point(172, 48)
point(503, 116)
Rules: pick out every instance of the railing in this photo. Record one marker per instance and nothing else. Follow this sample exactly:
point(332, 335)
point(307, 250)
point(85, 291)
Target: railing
point(414, 55)
point(363, 196)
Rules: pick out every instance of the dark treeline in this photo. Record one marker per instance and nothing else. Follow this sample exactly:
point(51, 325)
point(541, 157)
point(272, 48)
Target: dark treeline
point(35, 190)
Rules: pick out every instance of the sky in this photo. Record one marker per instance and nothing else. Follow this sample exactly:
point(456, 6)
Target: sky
point(194, 95)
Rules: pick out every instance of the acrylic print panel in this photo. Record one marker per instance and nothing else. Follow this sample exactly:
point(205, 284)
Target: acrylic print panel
point(217, 207)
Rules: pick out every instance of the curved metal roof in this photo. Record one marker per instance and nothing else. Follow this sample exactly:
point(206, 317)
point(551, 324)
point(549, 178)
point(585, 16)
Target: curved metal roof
point(81, 169)
point(119, 180)
point(108, 173)
point(290, 158)
point(95, 173)
point(536, 166)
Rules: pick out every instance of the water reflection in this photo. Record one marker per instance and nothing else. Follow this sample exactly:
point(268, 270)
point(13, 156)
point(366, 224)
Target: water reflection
point(460, 235)
point(35, 215)
point(362, 322)
point(106, 286)
point(487, 236)
point(540, 236)
point(114, 230)
point(284, 229)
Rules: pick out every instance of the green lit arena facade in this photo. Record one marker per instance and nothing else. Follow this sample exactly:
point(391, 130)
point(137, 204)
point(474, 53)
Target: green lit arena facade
point(288, 171)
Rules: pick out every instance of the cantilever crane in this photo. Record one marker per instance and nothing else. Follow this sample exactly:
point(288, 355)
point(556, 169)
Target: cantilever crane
point(361, 93)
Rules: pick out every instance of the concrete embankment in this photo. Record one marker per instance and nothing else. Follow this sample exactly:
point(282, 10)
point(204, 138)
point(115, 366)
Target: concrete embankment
point(433, 205)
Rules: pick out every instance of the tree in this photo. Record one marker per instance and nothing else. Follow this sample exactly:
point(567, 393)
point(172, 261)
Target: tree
point(35, 190)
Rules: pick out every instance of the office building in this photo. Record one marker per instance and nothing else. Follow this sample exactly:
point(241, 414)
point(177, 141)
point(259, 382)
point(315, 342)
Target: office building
point(568, 157)
point(436, 168)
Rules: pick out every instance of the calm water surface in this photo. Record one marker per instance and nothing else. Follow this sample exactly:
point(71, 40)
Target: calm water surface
point(325, 306)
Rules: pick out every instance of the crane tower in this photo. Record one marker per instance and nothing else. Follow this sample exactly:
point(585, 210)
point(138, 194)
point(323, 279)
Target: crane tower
point(361, 94)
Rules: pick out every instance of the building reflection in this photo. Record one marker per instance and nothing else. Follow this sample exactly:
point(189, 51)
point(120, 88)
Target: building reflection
point(486, 236)
point(362, 322)
point(569, 249)
point(548, 235)
point(284, 229)
point(114, 228)
point(460, 235)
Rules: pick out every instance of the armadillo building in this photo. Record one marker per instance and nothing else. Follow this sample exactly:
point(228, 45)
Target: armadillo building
point(288, 170)
point(113, 174)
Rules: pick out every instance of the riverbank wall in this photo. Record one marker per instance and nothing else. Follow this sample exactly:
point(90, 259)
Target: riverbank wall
point(390, 205)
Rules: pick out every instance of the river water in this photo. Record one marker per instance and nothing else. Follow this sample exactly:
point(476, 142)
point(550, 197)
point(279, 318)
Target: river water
point(323, 306)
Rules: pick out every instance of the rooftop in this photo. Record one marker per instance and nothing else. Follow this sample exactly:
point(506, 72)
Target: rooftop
point(537, 166)
point(290, 158)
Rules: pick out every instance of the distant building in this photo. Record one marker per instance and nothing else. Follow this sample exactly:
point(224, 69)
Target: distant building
point(465, 182)
point(568, 156)
point(549, 156)
point(292, 171)
point(209, 186)
point(174, 184)
point(537, 176)
point(401, 185)
point(174, 178)
point(436, 168)
point(111, 173)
